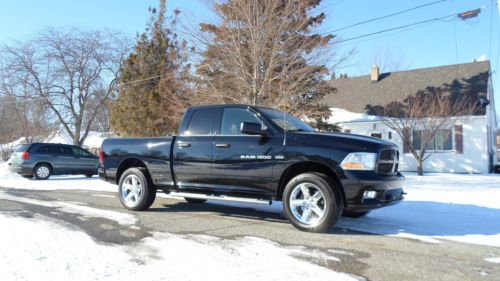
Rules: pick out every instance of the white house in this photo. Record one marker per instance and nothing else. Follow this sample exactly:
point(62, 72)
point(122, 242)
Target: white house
point(471, 146)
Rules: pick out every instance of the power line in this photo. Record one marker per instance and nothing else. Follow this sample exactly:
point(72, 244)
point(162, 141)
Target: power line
point(387, 16)
point(398, 27)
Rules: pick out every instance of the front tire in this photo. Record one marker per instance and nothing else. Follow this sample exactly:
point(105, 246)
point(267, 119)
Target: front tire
point(310, 203)
point(42, 171)
point(136, 191)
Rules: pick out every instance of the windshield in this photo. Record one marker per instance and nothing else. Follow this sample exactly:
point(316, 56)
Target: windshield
point(286, 121)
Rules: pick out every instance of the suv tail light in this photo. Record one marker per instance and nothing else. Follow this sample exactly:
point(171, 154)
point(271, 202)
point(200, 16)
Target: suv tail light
point(101, 157)
point(25, 155)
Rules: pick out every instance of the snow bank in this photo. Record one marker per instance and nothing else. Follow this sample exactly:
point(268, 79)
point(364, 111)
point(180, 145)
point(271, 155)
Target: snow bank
point(161, 257)
point(339, 115)
point(12, 180)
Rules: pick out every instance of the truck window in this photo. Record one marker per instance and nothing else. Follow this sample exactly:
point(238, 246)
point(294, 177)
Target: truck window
point(201, 122)
point(232, 119)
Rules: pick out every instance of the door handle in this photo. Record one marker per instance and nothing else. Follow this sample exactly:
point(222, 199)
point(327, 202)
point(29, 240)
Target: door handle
point(222, 145)
point(184, 144)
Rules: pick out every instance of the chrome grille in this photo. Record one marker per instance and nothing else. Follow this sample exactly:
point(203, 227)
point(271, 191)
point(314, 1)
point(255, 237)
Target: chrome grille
point(388, 161)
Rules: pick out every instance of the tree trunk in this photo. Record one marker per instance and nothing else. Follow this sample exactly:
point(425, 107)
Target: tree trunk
point(420, 169)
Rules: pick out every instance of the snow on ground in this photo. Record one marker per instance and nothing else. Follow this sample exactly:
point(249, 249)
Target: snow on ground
point(492, 260)
point(11, 180)
point(76, 208)
point(339, 115)
point(160, 257)
point(458, 207)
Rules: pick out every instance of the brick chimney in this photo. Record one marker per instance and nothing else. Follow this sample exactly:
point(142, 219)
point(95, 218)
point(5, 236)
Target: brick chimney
point(375, 73)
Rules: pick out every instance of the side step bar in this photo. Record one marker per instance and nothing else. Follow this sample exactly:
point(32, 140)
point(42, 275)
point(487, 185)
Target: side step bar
point(220, 198)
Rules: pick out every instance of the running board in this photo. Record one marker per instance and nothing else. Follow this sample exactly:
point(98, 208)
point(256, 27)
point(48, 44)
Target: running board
point(220, 198)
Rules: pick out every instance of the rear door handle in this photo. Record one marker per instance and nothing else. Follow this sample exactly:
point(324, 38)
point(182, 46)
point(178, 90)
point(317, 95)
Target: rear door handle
point(222, 145)
point(184, 144)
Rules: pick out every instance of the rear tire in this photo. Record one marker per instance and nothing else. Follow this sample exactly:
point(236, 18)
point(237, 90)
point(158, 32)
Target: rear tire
point(355, 215)
point(89, 175)
point(136, 190)
point(310, 202)
point(195, 200)
point(42, 171)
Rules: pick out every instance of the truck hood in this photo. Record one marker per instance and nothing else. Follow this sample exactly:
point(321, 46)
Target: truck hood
point(347, 141)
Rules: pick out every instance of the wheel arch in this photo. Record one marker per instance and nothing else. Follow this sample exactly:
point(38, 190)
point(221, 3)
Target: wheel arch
point(130, 162)
point(309, 167)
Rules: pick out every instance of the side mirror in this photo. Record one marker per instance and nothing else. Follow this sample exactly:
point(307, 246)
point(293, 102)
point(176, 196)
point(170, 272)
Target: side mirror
point(249, 128)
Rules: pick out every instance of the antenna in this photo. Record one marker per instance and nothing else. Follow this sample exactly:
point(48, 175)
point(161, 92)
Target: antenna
point(284, 128)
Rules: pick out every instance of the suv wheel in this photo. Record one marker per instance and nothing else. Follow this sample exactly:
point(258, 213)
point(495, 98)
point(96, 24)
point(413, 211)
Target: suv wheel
point(42, 171)
point(136, 191)
point(310, 202)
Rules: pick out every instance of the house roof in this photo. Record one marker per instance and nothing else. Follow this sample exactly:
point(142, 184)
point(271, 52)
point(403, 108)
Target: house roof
point(359, 94)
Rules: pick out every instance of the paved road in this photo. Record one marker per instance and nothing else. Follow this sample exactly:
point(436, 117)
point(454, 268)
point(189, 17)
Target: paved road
point(374, 257)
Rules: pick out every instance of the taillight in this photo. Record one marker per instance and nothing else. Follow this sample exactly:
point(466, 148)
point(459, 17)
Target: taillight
point(26, 155)
point(101, 157)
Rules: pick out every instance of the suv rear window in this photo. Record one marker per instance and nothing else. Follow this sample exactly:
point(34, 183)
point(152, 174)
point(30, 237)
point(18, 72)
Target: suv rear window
point(22, 147)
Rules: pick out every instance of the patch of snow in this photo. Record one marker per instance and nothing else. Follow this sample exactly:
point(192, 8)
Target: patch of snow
point(492, 260)
point(339, 115)
point(482, 57)
point(103, 195)
point(161, 257)
point(457, 207)
point(67, 207)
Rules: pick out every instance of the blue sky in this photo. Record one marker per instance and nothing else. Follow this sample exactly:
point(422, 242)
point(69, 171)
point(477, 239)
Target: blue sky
point(432, 44)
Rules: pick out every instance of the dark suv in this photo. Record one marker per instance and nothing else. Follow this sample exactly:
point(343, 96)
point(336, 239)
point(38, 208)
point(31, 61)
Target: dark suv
point(42, 160)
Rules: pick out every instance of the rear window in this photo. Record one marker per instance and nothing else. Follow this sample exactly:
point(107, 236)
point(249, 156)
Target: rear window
point(43, 149)
point(201, 122)
point(22, 148)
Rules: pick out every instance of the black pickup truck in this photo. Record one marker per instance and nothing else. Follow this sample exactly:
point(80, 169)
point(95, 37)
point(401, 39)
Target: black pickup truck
point(255, 154)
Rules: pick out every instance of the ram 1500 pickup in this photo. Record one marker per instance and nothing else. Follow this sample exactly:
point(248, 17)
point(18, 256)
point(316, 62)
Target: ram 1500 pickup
point(255, 154)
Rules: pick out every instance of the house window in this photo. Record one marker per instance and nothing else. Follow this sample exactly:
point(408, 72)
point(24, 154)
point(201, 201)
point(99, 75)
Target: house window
point(376, 135)
point(442, 140)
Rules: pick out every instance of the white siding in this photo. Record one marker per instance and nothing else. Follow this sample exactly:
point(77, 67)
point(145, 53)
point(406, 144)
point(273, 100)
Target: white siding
point(475, 157)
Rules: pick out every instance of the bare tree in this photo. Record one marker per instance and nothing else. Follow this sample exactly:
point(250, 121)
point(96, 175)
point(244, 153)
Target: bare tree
point(386, 59)
point(425, 121)
point(72, 71)
point(266, 53)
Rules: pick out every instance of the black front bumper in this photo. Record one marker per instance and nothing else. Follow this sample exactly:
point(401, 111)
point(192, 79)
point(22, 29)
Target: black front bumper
point(388, 190)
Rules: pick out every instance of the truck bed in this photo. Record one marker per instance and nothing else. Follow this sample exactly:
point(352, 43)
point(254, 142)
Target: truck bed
point(154, 152)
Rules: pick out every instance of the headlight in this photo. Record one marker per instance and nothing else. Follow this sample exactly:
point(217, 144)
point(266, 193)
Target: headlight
point(359, 161)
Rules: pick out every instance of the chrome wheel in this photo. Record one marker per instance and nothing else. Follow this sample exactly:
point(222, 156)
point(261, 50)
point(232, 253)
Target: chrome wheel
point(307, 203)
point(131, 190)
point(43, 172)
